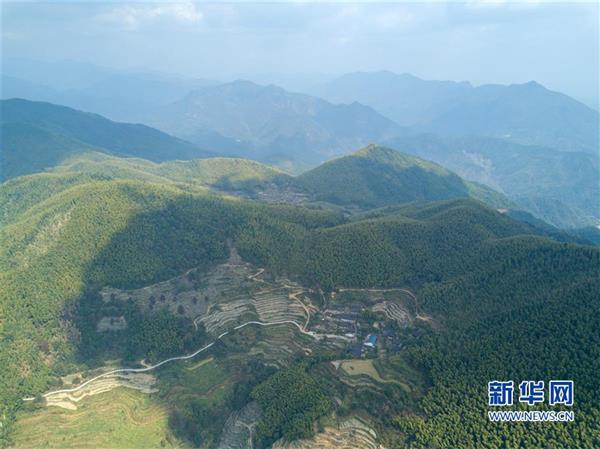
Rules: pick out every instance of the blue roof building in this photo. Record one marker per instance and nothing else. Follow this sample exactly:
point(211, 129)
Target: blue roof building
point(370, 341)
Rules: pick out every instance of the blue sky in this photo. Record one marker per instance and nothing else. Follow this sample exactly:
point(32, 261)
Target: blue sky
point(505, 42)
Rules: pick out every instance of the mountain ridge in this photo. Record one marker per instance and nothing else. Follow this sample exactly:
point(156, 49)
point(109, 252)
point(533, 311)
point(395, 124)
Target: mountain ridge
point(261, 120)
point(80, 131)
point(381, 176)
point(525, 113)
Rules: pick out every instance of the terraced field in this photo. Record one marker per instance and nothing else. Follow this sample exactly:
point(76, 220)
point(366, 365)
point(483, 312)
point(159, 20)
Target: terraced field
point(350, 434)
point(279, 344)
point(394, 311)
point(138, 381)
point(121, 418)
point(194, 292)
point(219, 299)
point(248, 315)
point(396, 304)
point(264, 303)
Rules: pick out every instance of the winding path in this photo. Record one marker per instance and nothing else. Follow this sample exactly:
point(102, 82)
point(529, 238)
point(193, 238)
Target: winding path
point(173, 359)
point(146, 368)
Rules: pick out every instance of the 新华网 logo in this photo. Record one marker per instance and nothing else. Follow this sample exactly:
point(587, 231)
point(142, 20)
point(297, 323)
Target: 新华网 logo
point(530, 392)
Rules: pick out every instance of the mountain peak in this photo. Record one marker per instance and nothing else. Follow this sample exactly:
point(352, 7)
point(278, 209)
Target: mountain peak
point(381, 176)
point(389, 156)
point(374, 150)
point(528, 86)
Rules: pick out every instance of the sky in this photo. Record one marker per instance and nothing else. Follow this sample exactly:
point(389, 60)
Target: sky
point(556, 44)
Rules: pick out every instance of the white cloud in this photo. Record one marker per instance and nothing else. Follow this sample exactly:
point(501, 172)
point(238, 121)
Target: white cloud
point(132, 16)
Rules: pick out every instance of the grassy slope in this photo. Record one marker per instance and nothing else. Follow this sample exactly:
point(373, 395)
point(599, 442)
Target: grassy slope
point(117, 419)
point(123, 417)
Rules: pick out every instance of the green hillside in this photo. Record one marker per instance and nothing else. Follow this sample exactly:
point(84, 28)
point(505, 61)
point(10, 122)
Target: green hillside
point(532, 314)
point(19, 194)
point(228, 174)
point(377, 176)
point(38, 135)
point(478, 273)
point(55, 250)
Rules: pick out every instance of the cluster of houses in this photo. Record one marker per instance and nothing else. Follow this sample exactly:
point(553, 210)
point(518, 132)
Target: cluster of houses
point(343, 319)
point(392, 340)
point(348, 319)
point(365, 347)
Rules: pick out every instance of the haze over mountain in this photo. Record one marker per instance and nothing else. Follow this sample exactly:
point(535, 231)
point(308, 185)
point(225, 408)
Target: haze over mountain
point(523, 113)
point(404, 98)
point(269, 123)
point(555, 186)
point(37, 135)
point(121, 95)
point(560, 187)
point(297, 132)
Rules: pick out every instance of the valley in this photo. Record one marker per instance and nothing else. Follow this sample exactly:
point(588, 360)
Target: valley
point(295, 225)
point(276, 321)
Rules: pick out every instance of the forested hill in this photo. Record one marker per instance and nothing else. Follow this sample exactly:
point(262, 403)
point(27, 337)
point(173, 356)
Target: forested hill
point(379, 176)
point(469, 263)
point(37, 135)
point(376, 176)
point(240, 176)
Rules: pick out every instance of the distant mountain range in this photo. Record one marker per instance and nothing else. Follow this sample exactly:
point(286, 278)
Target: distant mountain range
point(562, 188)
point(404, 98)
point(38, 135)
point(557, 187)
point(522, 113)
point(538, 147)
point(118, 95)
point(270, 124)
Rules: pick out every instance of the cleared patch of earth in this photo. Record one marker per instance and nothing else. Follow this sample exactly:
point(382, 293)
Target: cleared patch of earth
point(239, 427)
point(366, 368)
